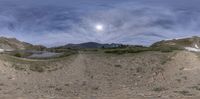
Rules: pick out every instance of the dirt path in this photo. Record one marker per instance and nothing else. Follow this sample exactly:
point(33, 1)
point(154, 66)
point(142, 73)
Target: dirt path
point(77, 69)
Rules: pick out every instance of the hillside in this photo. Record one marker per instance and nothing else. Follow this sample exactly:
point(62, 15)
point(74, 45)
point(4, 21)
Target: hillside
point(190, 44)
point(185, 42)
point(10, 44)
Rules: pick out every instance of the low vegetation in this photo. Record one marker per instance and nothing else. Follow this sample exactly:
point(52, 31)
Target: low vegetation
point(159, 89)
point(164, 49)
point(21, 54)
point(195, 87)
point(56, 53)
point(184, 92)
point(65, 52)
point(17, 55)
point(35, 65)
point(37, 68)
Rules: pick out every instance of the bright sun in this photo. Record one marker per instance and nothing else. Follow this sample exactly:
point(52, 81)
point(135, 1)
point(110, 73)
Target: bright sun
point(99, 27)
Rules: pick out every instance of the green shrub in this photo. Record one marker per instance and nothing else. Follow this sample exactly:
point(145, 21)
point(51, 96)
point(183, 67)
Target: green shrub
point(127, 50)
point(185, 93)
point(17, 55)
point(37, 68)
point(196, 88)
point(159, 89)
point(164, 49)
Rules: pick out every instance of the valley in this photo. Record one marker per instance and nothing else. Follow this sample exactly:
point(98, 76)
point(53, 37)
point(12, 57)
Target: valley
point(135, 72)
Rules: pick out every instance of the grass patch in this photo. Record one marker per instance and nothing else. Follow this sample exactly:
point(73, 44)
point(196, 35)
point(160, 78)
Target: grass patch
point(165, 60)
point(164, 49)
point(196, 88)
point(126, 50)
point(159, 89)
point(37, 68)
point(118, 66)
point(18, 67)
point(17, 55)
point(184, 92)
point(139, 70)
point(21, 54)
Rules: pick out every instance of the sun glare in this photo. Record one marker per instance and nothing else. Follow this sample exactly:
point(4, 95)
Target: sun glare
point(99, 27)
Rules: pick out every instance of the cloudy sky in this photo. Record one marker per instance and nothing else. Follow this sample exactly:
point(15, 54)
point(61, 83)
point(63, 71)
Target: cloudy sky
point(58, 22)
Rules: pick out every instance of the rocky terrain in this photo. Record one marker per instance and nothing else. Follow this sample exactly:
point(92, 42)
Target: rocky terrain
point(184, 42)
point(99, 75)
point(147, 75)
point(11, 44)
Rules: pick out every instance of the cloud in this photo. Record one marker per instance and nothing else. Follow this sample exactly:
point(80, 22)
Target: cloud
point(138, 22)
point(127, 24)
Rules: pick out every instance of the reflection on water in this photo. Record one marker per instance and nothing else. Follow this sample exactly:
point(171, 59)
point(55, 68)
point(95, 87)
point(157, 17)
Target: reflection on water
point(44, 54)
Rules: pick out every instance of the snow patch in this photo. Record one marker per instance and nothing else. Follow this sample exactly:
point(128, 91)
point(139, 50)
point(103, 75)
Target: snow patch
point(192, 49)
point(2, 50)
point(196, 46)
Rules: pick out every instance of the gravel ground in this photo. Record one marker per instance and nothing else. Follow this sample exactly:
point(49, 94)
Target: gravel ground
point(147, 75)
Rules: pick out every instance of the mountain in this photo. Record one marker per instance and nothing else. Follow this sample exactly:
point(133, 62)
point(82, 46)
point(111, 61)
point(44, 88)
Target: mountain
point(10, 44)
point(193, 42)
point(90, 45)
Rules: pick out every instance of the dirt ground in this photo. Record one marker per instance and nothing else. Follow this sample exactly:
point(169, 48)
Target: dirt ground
point(147, 75)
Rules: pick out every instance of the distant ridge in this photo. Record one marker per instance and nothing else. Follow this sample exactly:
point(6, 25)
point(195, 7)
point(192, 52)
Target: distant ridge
point(91, 45)
point(183, 42)
point(14, 44)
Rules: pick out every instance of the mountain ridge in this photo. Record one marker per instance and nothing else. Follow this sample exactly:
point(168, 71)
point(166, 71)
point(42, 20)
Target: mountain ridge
point(14, 44)
point(91, 45)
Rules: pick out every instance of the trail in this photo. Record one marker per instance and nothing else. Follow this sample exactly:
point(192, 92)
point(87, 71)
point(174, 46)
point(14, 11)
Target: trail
point(77, 69)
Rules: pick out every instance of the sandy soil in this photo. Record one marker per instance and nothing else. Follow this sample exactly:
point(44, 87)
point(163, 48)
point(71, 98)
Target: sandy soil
point(148, 75)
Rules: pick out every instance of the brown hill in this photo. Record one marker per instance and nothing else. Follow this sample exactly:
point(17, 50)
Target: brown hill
point(185, 42)
point(10, 44)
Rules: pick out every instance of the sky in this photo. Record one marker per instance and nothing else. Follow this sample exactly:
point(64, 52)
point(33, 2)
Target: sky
point(59, 22)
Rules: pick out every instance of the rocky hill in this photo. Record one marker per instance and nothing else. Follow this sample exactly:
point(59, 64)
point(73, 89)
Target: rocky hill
point(10, 44)
point(191, 44)
point(184, 42)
